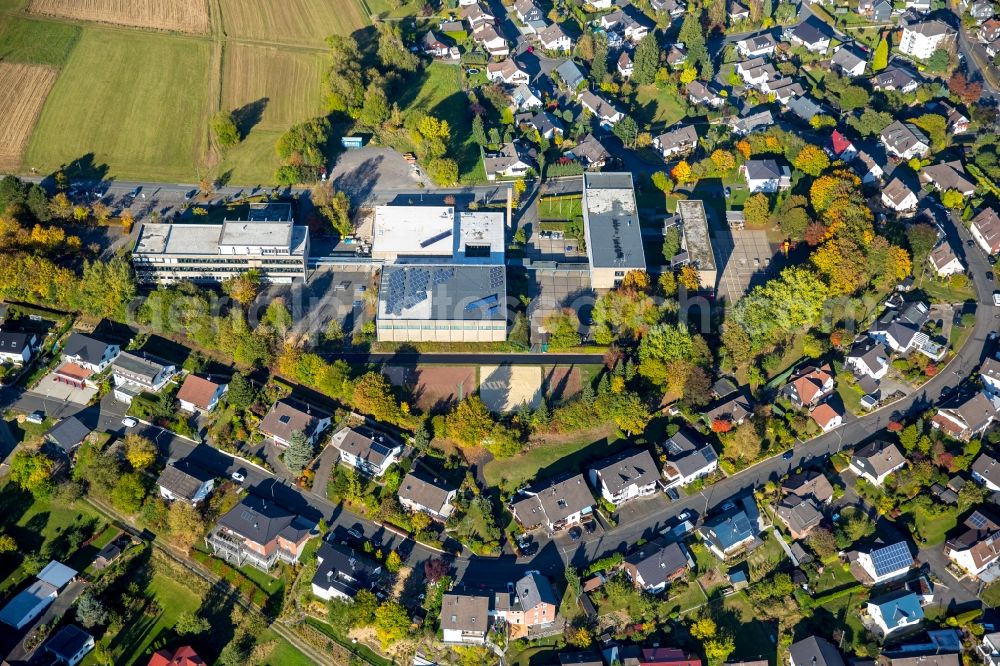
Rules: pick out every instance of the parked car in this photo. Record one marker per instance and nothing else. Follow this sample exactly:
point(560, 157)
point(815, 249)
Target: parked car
point(129, 422)
point(35, 417)
point(239, 476)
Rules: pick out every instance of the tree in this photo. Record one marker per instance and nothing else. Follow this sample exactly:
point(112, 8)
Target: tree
point(393, 563)
point(189, 624)
point(375, 108)
point(185, 523)
point(31, 470)
point(811, 160)
point(443, 171)
point(692, 34)
point(703, 628)
point(723, 160)
point(630, 413)
point(681, 172)
point(478, 130)
point(90, 611)
point(646, 60)
point(139, 451)
point(822, 542)
point(853, 97)
point(743, 443)
point(224, 128)
point(563, 328)
point(301, 151)
point(435, 569)
point(688, 74)
point(392, 52)
point(373, 395)
point(968, 92)
point(671, 246)
point(953, 199)
point(335, 207)
point(599, 67)
point(128, 494)
point(881, 58)
point(244, 287)
point(717, 650)
point(938, 62)
point(936, 127)
point(7, 544)
point(299, 452)
point(662, 182)
point(627, 130)
point(871, 122)
point(757, 209)
point(689, 278)
point(470, 423)
point(922, 238)
point(392, 623)
point(241, 393)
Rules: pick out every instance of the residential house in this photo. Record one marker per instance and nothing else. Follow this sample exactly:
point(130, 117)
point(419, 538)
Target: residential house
point(826, 417)
point(67, 435)
point(905, 140)
point(286, 418)
point(989, 649)
point(625, 65)
point(877, 460)
point(601, 4)
point(989, 31)
point(944, 261)
point(512, 160)
point(868, 358)
point(765, 175)
point(901, 330)
point(848, 62)
point(477, 14)
point(487, 36)
point(967, 420)
point(867, 168)
point(527, 11)
point(886, 562)
point(814, 651)
point(134, 373)
point(525, 98)
point(895, 612)
point(625, 476)
point(877, 11)
point(591, 152)
point(809, 385)
point(687, 460)
point(431, 45)
point(756, 46)
point(677, 55)
point(895, 78)
point(371, 456)
point(68, 645)
point(899, 197)
point(676, 142)
point(948, 176)
point(185, 481)
point(626, 21)
point(465, 618)
point(635, 655)
point(755, 72)
point(182, 656)
point(799, 514)
point(700, 94)
point(83, 356)
point(543, 122)
point(342, 572)
point(976, 550)
point(570, 75)
point(554, 38)
point(422, 491)
point(733, 407)
point(656, 564)
point(957, 122)
point(737, 12)
point(732, 529)
point(674, 8)
point(759, 120)
point(533, 602)
point(810, 484)
point(842, 146)
point(989, 375)
point(985, 230)
point(507, 71)
point(17, 347)
point(32, 601)
point(811, 34)
point(986, 472)
point(200, 395)
point(802, 107)
point(921, 40)
point(605, 112)
point(259, 532)
point(555, 505)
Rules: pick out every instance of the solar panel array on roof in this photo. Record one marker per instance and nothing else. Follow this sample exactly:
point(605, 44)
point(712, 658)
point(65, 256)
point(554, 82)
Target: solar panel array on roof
point(496, 277)
point(977, 520)
point(891, 558)
point(442, 275)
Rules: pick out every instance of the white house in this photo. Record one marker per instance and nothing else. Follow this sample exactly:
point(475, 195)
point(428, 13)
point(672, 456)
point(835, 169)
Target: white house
point(676, 142)
point(985, 229)
point(88, 352)
point(186, 482)
point(944, 261)
point(848, 62)
point(876, 461)
point(134, 374)
point(986, 472)
point(826, 417)
point(524, 98)
point(30, 602)
point(765, 176)
point(553, 38)
point(422, 491)
point(342, 572)
point(886, 562)
point(921, 40)
point(905, 140)
point(284, 419)
point(625, 65)
point(17, 347)
point(756, 46)
point(492, 41)
point(555, 505)
point(897, 196)
point(465, 618)
point(625, 476)
point(989, 375)
point(895, 612)
point(371, 456)
point(687, 460)
point(198, 394)
point(867, 168)
point(868, 359)
point(507, 71)
point(977, 549)
point(604, 111)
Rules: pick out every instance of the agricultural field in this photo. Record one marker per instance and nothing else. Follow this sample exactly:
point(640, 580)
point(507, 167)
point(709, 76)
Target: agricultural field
point(307, 22)
point(25, 89)
point(271, 88)
point(135, 101)
point(37, 42)
point(174, 15)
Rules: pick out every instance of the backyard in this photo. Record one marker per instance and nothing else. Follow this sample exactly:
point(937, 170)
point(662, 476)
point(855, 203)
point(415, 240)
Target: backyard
point(547, 459)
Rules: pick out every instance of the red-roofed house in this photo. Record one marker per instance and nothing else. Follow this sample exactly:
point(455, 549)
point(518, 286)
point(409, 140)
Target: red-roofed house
point(809, 385)
point(198, 394)
point(842, 146)
point(182, 656)
point(826, 417)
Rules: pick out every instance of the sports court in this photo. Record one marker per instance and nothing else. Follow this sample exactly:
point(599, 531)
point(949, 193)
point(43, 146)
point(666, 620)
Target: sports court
point(504, 388)
point(745, 257)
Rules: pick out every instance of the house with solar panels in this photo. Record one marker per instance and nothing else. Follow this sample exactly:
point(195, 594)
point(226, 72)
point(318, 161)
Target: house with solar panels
point(371, 456)
point(886, 562)
point(896, 612)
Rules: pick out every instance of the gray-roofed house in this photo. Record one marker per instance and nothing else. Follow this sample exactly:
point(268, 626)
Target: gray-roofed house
point(700, 94)
point(733, 407)
point(605, 112)
point(611, 228)
point(905, 140)
point(813, 484)
point(898, 196)
point(756, 45)
point(877, 11)
point(371, 456)
point(922, 39)
point(656, 564)
point(135, 373)
point(895, 77)
point(285, 418)
point(570, 75)
point(848, 62)
point(625, 476)
point(591, 152)
point(986, 471)
point(546, 124)
point(512, 160)
point(867, 168)
point(733, 529)
point(556, 505)
point(877, 460)
point(422, 491)
point(989, 375)
point(524, 98)
point(976, 550)
point(68, 434)
point(687, 460)
point(948, 176)
point(804, 108)
point(969, 419)
point(432, 45)
point(465, 618)
point(30, 602)
point(69, 645)
point(901, 330)
point(765, 175)
point(342, 572)
point(814, 651)
point(985, 229)
point(17, 347)
point(88, 352)
point(811, 34)
point(185, 481)
point(944, 261)
point(532, 604)
point(554, 38)
point(625, 66)
point(886, 562)
point(259, 532)
point(868, 358)
point(743, 125)
point(678, 141)
point(527, 11)
point(799, 514)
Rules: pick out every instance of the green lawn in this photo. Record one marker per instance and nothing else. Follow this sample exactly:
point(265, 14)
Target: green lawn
point(37, 42)
point(943, 291)
point(560, 208)
point(138, 640)
point(934, 528)
point(692, 597)
point(552, 458)
point(753, 638)
point(439, 93)
point(834, 575)
point(284, 653)
point(658, 108)
point(851, 395)
point(136, 101)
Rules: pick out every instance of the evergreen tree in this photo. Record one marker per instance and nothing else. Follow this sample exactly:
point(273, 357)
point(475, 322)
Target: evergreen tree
point(599, 69)
point(647, 60)
point(299, 452)
point(881, 58)
point(478, 131)
point(767, 8)
point(693, 36)
point(587, 395)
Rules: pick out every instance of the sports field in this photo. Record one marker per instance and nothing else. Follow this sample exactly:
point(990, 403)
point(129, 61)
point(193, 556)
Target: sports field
point(270, 87)
point(291, 21)
point(136, 101)
point(25, 88)
point(178, 15)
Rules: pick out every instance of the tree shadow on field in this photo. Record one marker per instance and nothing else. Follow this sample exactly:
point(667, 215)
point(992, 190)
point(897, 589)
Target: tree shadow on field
point(82, 168)
point(249, 115)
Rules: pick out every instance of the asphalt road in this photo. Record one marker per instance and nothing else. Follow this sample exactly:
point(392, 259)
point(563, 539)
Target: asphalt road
point(407, 358)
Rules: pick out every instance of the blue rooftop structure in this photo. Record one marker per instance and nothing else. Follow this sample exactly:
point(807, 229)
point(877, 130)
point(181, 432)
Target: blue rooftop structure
point(899, 609)
point(733, 527)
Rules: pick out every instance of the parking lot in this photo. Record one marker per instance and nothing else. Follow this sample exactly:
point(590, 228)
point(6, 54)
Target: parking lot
point(58, 391)
point(745, 258)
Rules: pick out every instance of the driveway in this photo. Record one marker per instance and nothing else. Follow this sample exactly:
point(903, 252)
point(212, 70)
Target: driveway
point(360, 172)
point(52, 389)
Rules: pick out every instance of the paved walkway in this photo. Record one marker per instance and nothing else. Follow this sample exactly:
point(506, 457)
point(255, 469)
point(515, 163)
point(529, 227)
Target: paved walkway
point(324, 467)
